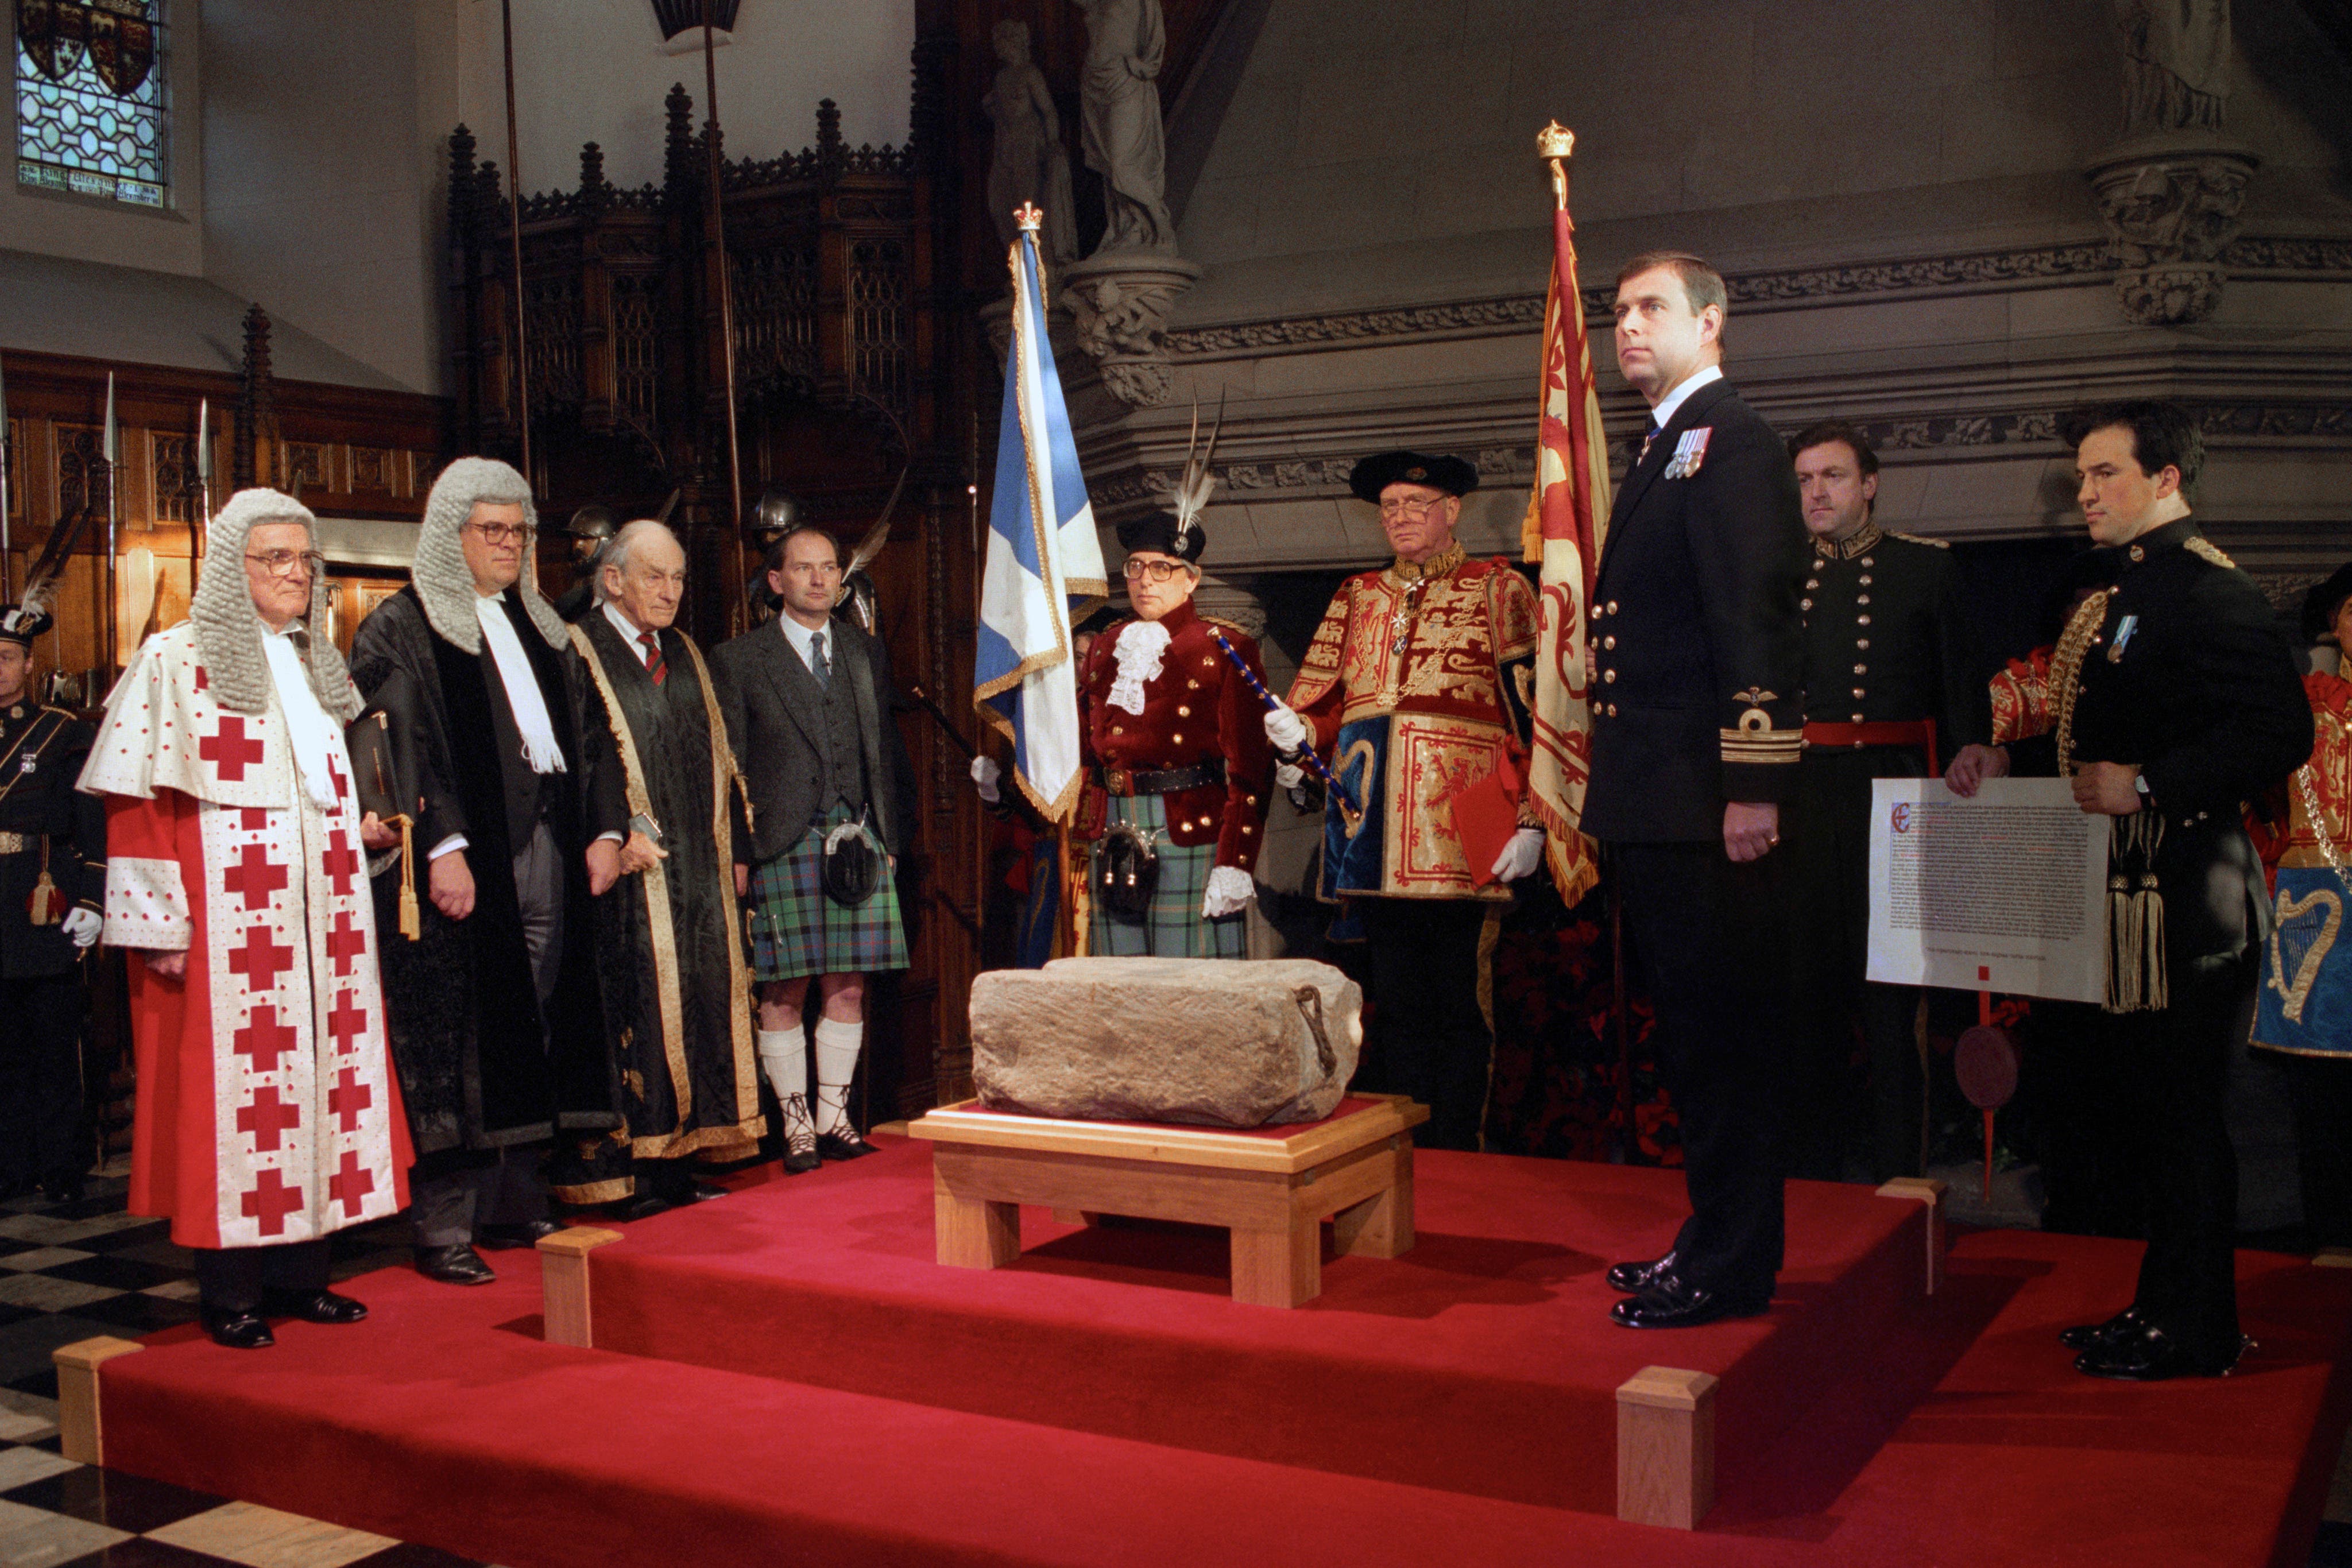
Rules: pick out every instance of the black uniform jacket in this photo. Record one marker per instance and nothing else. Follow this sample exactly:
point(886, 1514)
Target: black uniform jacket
point(42, 749)
point(2189, 680)
point(1887, 639)
point(775, 721)
point(1697, 650)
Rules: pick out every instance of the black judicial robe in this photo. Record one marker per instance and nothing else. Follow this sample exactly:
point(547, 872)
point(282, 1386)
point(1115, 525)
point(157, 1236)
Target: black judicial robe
point(477, 1068)
point(668, 940)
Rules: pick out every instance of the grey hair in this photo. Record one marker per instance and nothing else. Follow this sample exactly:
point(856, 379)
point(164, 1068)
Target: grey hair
point(444, 584)
point(228, 628)
point(618, 548)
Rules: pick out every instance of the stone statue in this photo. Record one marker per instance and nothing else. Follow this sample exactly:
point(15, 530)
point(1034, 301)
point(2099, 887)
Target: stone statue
point(1119, 121)
point(2176, 64)
point(1028, 162)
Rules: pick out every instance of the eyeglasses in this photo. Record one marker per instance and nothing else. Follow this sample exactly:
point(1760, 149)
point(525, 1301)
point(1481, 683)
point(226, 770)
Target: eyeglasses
point(288, 562)
point(1403, 507)
point(502, 533)
point(1157, 570)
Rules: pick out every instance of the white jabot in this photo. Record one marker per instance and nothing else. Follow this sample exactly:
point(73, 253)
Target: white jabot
point(315, 737)
point(1665, 412)
point(1141, 643)
point(523, 699)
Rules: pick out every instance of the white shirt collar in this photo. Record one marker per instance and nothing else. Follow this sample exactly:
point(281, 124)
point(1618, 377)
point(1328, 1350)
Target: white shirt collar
point(307, 725)
point(629, 630)
point(1664, 415)
point(799, 636)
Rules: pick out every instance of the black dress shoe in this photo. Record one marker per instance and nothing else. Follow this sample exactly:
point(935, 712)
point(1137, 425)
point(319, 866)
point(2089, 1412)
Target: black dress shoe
point(522, 1233)
point(845, 1144)
point(645, 1206)
point(2124, 1325)
point(2152, 1355)
point(239, 1331)
point(1633, 1278)
point(1670, 1303)
point(65, 1187)
point(700, 1192)
point(458, 1265)
point(312, 1306)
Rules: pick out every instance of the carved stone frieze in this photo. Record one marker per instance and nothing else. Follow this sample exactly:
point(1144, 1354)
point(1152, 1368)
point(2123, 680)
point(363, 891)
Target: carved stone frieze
point(2170, 204)
point(1119, 303)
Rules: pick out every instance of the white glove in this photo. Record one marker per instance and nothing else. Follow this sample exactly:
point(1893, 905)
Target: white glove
point(985, 772)
point(1285, 728)
point(1520, 856)
point(82, 926)
point(1230, 888)
point(1288, 775)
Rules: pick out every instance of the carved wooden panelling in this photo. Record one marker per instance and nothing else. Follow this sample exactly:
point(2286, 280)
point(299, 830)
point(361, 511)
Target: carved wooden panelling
point(880, 322)
point(81, 468)
point(175, 478)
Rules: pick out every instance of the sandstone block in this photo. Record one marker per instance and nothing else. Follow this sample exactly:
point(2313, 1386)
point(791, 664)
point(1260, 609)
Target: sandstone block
point(1210, 1042)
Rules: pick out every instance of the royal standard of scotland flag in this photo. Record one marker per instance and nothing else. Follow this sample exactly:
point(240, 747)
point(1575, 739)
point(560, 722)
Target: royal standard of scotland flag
point(1043, 570)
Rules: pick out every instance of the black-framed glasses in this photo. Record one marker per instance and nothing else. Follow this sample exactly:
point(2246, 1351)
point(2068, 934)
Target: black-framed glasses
point(1157, 570)
point(502, 533)
point(1408, 506)
point(289, 563)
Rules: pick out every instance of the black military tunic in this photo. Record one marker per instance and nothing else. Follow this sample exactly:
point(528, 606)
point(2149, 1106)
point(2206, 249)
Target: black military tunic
point(1887, 655)
point(2184, 675)
point(45, 824)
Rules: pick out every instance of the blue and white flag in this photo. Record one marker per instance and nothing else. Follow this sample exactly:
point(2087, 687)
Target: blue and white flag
point(1045, 567)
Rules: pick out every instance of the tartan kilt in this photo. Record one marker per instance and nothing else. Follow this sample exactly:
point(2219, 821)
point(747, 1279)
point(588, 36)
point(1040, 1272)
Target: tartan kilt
point(796, 930)
point(1174, 928)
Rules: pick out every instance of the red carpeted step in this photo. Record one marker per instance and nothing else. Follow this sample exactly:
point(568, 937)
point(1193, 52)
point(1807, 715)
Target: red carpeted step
point(1481, 1362)
point(442, 1419)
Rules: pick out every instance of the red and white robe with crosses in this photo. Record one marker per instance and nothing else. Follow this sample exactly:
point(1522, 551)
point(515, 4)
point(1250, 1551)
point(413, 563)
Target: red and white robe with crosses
point(268, 1109)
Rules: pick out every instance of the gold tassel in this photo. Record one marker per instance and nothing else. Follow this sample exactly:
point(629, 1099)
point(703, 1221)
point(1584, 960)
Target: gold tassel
point(2135, 955)
point(411, 922)
point(2122, 949)
point(44, 906)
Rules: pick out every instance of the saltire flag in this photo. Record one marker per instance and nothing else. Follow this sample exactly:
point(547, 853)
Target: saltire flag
point(1567, 519)
point(1044, 571)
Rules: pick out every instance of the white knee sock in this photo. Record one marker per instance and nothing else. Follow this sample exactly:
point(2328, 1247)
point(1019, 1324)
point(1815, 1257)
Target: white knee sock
point(783, 1052)
point(837, 1044)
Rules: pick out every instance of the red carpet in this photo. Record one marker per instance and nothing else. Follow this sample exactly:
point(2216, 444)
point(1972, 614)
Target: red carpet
point(1960, 1437)
point(1472, 1363)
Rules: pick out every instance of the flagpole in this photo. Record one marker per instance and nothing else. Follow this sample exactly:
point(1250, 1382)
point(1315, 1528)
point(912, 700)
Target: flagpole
point(718, 220)
point(7, 450)
point(514, 228)
point(113, 528)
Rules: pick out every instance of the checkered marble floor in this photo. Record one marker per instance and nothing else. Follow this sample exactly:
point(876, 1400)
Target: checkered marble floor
point(70, 1272)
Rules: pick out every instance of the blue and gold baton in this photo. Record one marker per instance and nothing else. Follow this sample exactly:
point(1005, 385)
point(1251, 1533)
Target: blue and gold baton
point(1315, 765)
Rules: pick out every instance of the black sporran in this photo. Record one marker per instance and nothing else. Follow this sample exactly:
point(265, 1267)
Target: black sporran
point(1127, 871)
point(853, 864)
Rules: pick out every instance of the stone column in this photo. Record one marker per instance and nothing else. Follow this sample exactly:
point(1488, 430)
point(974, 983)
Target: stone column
point(2170, 202)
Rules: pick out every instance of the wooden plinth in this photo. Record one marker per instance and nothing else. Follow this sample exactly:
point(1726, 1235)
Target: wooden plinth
point(1930, 1191)
point(1666, 1446)
point(81, 1436)
point(563, 1283)
point(1271, 1194)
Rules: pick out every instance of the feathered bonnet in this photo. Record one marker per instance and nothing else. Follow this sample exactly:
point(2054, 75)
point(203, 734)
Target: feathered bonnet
point(444, 584)
point(228, 628)
point(1177, 532)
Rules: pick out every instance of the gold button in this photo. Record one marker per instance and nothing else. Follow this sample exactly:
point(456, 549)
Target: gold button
point(1247, 828)
point(1813, 582)
point(1858, 718)
point(1609, 642)
point(1862, 619)
point(1608, 675)
point(1862, 669)
point(1175, 740)
point(2138, 553)
point(1865, 560)
point(1858, 693)
point(1862, 642)
point(1118, 730)
point(1865, 580)
point(1862, 599)
point(1804, 604)
point(1613, 607)
point(1183, 712)
point(1612, 710)
point(1194, 684)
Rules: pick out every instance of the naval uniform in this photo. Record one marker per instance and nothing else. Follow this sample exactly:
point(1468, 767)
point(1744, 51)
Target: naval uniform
point(1175, 746)
point(1892, 689)
point(46, 828)
point(1699, 656)
point(2180, 670)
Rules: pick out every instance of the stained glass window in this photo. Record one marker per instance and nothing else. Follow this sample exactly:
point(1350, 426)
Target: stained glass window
point(91, 106)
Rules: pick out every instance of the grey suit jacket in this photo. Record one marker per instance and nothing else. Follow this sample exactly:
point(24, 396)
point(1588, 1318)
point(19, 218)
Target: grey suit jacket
point(774, 711)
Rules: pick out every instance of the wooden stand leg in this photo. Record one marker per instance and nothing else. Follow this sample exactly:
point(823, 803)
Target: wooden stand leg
point(2332, 1258)
point(563, 1283)
point(1278, 1268)
point(1666, 1446)
point(1381, 1225)
point(1077, 1217)
point(1925, 1190)
point(80, 1436)
point(974, 1233)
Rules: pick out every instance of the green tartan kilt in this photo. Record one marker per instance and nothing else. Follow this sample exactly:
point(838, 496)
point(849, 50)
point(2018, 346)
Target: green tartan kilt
point(1174, 929)
point(796, 930)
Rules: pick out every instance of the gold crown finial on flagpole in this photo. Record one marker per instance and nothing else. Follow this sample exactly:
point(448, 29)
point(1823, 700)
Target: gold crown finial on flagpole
point(1027, 215)
point(1555, 144)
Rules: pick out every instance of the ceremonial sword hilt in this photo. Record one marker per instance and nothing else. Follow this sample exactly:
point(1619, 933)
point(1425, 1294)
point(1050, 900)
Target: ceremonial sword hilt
point(1348, 809)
